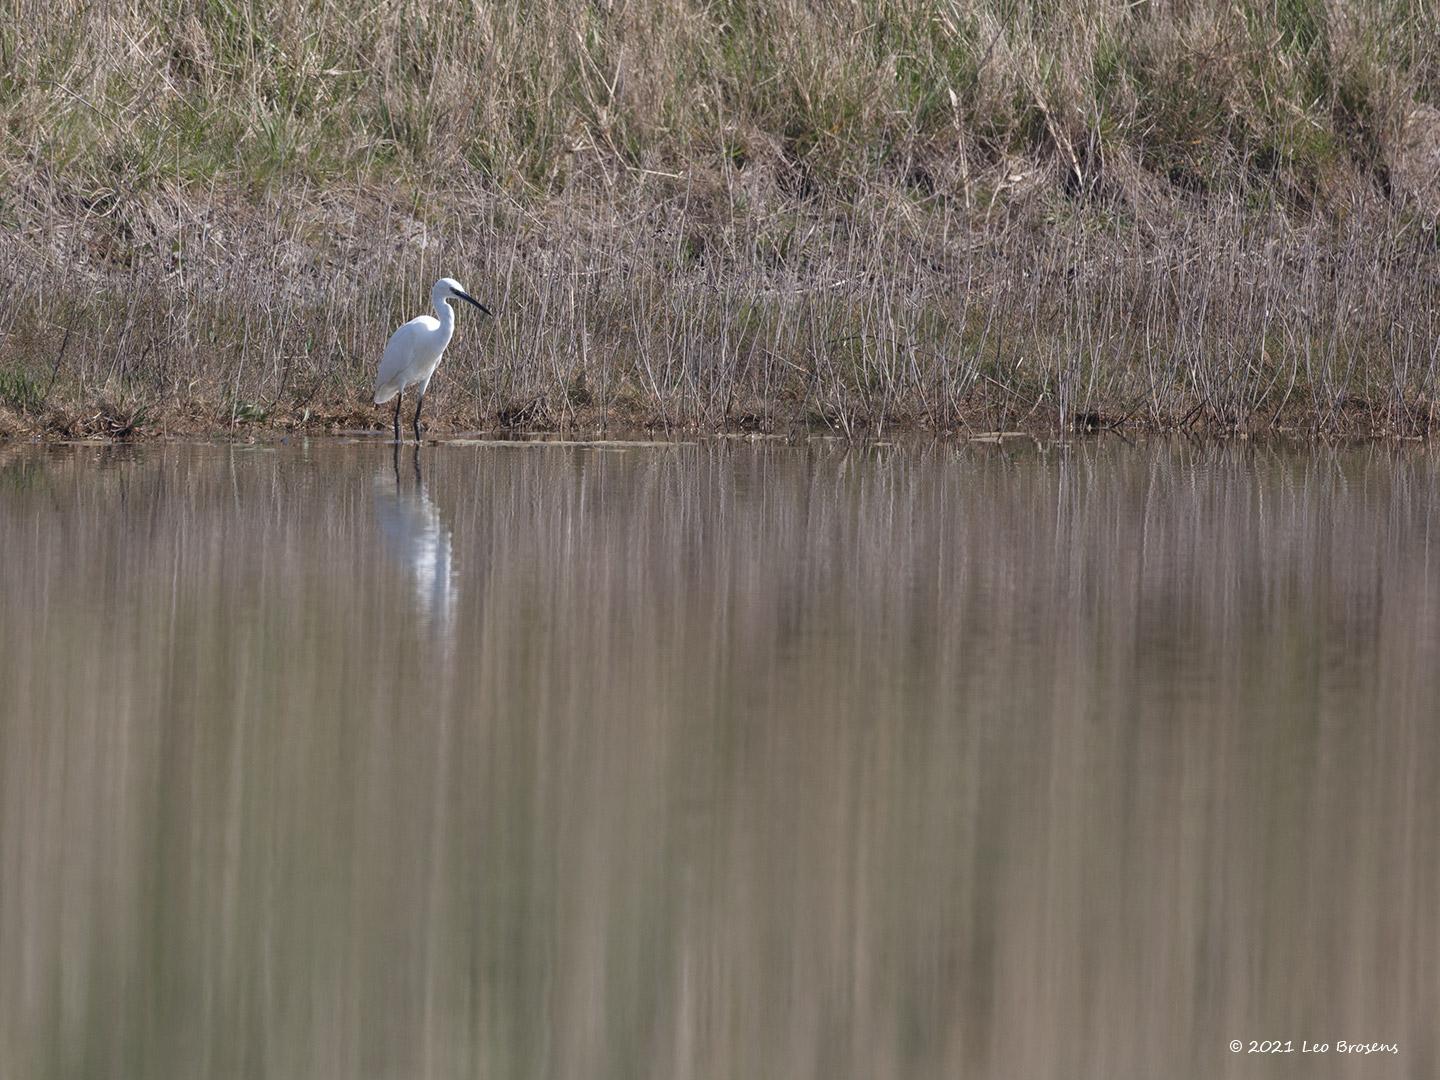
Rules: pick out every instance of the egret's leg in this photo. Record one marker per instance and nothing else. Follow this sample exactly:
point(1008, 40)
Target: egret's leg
point(397, 414)
point(419, 401)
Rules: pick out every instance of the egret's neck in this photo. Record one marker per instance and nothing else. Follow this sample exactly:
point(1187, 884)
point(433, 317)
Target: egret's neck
point(446, 313)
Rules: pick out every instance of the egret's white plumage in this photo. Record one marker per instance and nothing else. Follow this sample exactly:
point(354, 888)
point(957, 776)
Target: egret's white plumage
point(413, 352)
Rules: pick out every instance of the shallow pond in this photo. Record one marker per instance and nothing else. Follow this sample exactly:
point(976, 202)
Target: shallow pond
point(718, 760)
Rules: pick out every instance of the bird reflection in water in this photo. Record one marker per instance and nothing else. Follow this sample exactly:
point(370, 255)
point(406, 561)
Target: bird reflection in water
point(415, 537)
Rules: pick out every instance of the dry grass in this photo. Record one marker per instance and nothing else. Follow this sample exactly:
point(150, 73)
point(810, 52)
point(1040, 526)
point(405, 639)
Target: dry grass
point(723, 215)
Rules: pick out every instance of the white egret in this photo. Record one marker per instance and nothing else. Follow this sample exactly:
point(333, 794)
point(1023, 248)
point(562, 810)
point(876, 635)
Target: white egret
point(413, 352)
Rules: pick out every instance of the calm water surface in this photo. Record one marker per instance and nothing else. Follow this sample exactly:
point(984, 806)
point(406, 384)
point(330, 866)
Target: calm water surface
point(717, 761)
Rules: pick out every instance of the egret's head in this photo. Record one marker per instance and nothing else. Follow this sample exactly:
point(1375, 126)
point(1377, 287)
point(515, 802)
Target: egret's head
point(447, 288)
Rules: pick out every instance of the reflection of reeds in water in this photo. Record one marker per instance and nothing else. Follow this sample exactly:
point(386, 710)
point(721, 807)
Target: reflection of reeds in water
point(747, 762)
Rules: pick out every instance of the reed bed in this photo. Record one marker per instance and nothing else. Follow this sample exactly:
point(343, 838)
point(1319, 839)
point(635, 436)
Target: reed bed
point(720, 216)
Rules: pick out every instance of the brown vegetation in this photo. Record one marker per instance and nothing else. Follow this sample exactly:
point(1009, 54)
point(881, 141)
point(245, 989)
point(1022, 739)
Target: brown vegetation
point(724, 216)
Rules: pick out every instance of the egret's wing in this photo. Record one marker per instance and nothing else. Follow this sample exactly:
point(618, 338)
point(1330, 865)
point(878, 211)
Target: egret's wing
point(405, 356)
point(391, 378)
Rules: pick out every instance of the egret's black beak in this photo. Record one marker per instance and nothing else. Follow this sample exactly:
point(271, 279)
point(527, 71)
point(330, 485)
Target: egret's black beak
point(467, 297)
